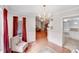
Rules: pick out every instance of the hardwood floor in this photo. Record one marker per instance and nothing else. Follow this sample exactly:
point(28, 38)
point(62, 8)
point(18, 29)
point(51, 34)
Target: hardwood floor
point(41, 42)
point(40, 35)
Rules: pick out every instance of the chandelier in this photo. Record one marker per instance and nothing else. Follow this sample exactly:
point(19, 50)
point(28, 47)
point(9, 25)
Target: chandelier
point(44, 16)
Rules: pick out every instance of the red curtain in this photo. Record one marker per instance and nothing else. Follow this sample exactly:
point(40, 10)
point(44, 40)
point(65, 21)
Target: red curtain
point(15, 25)
point(24, 38)
point(6, 38)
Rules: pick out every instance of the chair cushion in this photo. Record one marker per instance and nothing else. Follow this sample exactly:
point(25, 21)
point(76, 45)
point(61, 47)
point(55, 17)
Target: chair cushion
point(22, 46)
point(18, 45)
point(16, 40)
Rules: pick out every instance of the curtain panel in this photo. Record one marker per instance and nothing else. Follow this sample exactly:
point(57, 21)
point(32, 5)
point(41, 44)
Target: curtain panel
point(6, 38)
point(15, 25)
point(24, 35)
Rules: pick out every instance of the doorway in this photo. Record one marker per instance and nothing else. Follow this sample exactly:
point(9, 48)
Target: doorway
point(71, 33)
point(41, 29)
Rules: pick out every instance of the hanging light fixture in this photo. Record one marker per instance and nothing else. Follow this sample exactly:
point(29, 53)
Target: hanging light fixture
point(44, 16)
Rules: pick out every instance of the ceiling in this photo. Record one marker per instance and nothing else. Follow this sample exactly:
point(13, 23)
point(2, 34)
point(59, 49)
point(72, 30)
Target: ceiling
point(33, 10)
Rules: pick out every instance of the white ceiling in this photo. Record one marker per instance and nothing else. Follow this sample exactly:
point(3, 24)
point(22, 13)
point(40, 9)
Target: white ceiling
point(33, 10)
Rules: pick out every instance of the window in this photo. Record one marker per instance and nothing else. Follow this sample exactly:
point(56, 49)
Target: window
point(20, 28)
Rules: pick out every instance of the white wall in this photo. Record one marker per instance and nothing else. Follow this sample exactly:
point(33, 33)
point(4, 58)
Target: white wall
point(1, 31)
point(31, 31)
point(56, 35)
point(10, 27)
